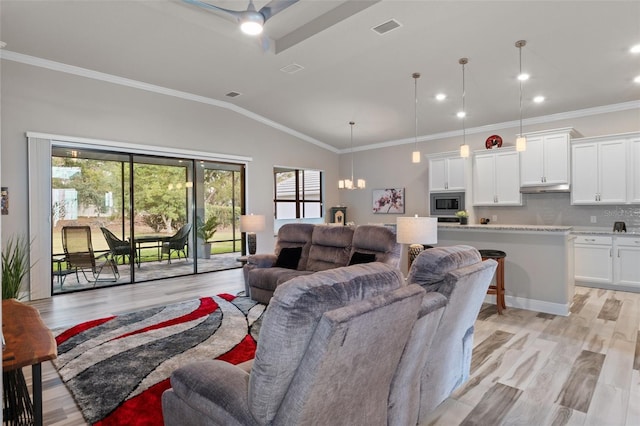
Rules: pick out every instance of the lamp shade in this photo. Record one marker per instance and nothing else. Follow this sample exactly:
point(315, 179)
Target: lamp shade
point(252, 223)
point(417, 230)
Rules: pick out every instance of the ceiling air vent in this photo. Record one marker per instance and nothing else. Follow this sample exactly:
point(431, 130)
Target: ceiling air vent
point(292, 68)
point(233, 94)
point(385, 27)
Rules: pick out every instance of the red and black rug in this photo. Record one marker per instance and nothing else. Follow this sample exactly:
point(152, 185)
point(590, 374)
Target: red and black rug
point(117, 367)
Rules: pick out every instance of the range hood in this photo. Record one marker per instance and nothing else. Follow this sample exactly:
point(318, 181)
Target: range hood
point(545, 188)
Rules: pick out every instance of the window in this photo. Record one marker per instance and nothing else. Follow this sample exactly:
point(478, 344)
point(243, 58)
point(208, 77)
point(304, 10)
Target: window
point(298, 194)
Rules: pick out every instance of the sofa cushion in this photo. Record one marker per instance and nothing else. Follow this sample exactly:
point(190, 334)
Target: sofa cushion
point(379, 240)
point(431, 266)
point(330, 247)
point(296, 235)
point(289, 257)
point(358, 257)
point(270, 278)
point(291, 319)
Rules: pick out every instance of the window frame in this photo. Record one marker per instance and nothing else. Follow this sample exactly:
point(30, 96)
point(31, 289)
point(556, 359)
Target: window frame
point(299, 197)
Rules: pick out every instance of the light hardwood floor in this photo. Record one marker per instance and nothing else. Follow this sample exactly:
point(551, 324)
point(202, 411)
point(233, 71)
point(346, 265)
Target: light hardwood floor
point(528, 368)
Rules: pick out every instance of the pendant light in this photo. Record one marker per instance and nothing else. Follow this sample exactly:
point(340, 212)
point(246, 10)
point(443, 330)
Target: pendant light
point(521, 141)
point(415, 155)
point(464, 148)
point(351, 183)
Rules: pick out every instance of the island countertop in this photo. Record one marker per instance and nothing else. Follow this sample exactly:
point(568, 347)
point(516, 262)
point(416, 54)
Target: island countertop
point(504, 227)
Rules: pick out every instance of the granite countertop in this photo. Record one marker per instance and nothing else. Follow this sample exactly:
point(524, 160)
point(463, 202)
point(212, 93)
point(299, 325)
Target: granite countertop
point(505, 227)
point(576, 230)
point(584, 230)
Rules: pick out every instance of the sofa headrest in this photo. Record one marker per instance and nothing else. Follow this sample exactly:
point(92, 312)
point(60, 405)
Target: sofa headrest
point(332, 236)
point(374, 238)
point(431, 266)
point(296, 232)
point(291, 319)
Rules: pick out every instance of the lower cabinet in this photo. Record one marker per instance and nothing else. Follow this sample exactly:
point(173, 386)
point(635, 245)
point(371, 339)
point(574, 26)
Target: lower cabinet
point(611, 261)
point(593, 259)
point(626, 261)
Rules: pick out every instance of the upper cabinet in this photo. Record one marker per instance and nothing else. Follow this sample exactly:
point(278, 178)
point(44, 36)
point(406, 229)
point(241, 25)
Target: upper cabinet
point(604, 170)
point(496, 178)
point(447, 173)
point(546, 159)
point(634, 170)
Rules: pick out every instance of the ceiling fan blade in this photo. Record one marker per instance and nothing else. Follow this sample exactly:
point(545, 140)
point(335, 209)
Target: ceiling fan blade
point(275, 6)
point(234, 13)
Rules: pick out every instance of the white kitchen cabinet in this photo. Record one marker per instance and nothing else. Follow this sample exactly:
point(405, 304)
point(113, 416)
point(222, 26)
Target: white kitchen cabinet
point(545, 162)
point(599, 171)
point(634, 170)
point(447, 173)
point(593, 259)
point(613, 262)
point(496, 178)
point(626, 261)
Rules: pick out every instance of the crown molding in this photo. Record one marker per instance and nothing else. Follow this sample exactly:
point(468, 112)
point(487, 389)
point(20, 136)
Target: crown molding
point(109, 78)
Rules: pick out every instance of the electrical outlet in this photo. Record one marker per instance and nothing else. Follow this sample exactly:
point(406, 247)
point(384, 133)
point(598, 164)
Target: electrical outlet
point(494, 218)
point(594, 219)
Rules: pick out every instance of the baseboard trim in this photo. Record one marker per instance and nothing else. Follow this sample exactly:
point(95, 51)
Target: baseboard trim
point(532, 305)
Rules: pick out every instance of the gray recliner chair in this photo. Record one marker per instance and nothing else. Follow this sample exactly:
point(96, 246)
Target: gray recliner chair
point(329, 346)
point(458, 274)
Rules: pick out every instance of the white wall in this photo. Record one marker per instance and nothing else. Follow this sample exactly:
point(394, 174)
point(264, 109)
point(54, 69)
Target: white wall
point(40, 100)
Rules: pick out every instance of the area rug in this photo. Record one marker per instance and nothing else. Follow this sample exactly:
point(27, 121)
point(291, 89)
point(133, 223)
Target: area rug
point(117, 367)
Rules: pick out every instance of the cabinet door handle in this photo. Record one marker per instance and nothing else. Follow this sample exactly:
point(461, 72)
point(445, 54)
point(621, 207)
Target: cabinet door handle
point(589, 239)
point(610, 250)
point(618, 252)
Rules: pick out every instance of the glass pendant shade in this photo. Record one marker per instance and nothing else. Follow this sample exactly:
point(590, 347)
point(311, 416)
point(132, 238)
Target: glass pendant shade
point(464, 151)
point(521, 144)
point(415, 157)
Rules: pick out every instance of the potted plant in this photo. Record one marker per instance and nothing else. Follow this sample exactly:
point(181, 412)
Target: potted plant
point(15, 266)
point(463, 215)
point(205, 231)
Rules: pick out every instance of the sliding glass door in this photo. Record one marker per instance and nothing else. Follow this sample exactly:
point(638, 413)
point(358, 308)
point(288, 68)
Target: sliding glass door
point(145, 217)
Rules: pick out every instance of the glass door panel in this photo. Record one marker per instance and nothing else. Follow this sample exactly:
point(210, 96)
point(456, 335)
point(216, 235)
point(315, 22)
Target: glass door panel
point(162, 228)
point(90, 188)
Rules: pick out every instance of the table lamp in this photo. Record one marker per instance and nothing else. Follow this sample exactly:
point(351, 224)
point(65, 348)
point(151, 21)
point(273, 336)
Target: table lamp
point(251, 224)
point(416, 231)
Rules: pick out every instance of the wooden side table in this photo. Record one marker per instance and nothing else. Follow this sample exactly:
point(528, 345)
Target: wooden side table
point(28, 342)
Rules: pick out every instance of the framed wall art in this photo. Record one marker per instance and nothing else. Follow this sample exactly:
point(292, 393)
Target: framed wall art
point(388, 201)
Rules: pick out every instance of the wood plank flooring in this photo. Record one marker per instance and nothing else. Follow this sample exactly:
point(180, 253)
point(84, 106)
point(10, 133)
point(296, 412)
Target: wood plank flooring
point(528, 368)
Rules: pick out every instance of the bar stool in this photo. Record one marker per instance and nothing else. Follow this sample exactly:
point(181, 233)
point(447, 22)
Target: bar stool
point(498, 288)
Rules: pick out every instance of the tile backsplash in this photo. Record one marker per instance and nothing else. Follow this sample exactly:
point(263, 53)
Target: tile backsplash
point(556, 209)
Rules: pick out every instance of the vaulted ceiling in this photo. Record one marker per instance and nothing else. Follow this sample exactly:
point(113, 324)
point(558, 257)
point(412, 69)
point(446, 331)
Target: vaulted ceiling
point(577, 53)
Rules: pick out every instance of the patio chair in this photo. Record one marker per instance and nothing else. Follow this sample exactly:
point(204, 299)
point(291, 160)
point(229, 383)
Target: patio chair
point(177, 243)
point(118, 247)
point(78, 250)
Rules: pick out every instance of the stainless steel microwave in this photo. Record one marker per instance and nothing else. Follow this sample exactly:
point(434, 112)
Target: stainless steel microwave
point(446, 203)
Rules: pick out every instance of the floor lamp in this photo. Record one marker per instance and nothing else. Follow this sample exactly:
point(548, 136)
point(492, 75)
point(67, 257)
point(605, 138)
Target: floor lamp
point(251, 224)
point(416, 231)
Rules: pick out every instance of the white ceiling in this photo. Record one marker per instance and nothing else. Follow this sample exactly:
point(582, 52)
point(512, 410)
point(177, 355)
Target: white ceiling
point(577, 54)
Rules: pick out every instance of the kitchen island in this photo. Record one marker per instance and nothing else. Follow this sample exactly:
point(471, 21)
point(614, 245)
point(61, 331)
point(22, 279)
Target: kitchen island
point(538, 268)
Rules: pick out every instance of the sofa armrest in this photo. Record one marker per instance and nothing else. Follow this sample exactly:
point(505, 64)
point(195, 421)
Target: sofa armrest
point(216, 389)
point(262, 260)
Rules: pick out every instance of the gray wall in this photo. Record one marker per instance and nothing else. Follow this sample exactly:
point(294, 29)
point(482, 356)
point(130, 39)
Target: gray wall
point(392, 167)
point(40, 100)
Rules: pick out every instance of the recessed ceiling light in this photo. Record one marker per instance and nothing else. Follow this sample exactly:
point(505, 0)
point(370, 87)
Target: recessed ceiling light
point(637, 79)
point(461, 114)
point(635, 49)
point(538, 99)
point(524, 76)
point(441, 97)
